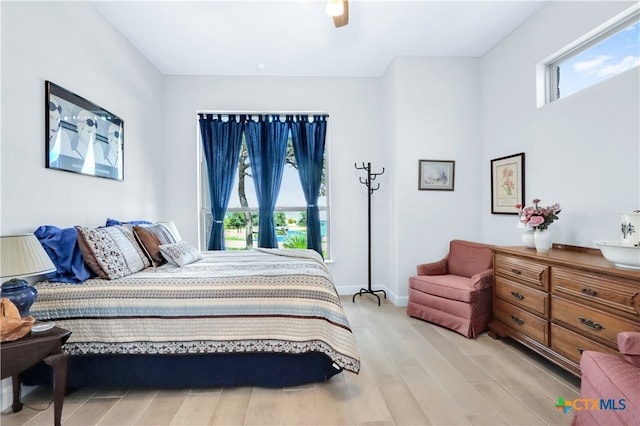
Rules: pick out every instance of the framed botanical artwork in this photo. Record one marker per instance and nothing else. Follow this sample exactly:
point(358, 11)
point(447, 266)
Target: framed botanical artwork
point(82, 137)
point(507, 184)
point(436, 175)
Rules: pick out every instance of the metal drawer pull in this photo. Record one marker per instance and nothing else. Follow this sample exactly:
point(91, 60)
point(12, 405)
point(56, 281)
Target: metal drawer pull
point(517, 320)
point(517, 271)
point(589, 292)
point(589, 323)
point(580, 350)
point(517, 295)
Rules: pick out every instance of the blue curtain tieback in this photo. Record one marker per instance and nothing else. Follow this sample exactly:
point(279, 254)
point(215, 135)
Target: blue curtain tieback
point(311, 205)
point(218, 221)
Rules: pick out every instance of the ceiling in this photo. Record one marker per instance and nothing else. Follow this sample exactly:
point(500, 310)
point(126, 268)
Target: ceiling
point(297, 38)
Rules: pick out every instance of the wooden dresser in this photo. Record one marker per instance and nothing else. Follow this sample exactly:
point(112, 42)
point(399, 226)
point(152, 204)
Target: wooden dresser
point(563, 302)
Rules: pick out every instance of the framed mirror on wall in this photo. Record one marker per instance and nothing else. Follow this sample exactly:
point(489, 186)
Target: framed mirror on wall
point(82, 137)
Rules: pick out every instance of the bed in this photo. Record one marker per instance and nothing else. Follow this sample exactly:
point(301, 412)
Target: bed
point(263, 317)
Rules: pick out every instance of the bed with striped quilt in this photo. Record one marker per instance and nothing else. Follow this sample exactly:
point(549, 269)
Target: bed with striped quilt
point(262, 301)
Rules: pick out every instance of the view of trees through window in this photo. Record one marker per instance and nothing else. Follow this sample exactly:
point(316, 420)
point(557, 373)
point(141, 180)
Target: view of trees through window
point(241, 220)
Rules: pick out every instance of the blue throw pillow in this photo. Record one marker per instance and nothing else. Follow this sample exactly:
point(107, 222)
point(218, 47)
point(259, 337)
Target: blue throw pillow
point(112, 222)
point(62, 247)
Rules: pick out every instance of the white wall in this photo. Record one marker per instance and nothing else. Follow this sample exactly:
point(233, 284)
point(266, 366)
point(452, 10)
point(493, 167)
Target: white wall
point(435, 116)
point(467, 110)
point(356, 134)
point(425, 108)
point(70, 44)
point(582, 151)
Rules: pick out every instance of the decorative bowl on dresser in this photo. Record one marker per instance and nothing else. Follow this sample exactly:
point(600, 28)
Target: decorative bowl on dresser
point(563, 302)
point(621, 254)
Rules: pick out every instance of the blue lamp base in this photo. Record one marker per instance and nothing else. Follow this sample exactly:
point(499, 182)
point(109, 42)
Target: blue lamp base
point(21, 294)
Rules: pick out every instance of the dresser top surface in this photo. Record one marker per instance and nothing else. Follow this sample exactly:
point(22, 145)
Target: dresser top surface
point(571, 256)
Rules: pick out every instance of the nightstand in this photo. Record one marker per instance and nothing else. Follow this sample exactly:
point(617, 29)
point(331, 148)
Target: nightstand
point(23, 353)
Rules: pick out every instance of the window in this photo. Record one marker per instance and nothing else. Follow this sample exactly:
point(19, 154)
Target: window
point(607, 51)
point(241, 220)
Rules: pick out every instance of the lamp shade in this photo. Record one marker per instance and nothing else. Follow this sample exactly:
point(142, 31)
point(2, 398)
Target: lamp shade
point(23, 256)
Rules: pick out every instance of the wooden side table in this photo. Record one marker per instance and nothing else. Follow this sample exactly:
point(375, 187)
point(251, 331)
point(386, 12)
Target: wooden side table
point(23, 353)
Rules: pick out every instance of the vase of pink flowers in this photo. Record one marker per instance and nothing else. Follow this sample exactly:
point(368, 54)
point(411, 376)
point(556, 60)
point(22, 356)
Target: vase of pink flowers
point(539, 218)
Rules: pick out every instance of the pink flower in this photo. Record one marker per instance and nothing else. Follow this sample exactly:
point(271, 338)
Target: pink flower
point(538, 217)
point(535, 221)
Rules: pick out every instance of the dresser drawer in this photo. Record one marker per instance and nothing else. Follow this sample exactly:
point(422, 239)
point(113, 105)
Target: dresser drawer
point(523, 271)
point(571, 344)
point(522, 296)
point(523, 321)
point(615, 295)
point(593, 323)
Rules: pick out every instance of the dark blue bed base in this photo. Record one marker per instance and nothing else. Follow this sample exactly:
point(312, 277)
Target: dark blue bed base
point(190, 371)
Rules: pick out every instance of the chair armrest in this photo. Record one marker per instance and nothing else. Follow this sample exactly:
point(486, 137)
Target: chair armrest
point(482, 280)
point(629, 345)
point(433, 268)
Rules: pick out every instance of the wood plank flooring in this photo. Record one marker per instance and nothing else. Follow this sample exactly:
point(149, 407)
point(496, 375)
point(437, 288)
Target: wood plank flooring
point(413, 373)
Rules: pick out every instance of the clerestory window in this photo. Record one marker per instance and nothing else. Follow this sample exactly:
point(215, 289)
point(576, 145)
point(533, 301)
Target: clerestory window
point(609, 50)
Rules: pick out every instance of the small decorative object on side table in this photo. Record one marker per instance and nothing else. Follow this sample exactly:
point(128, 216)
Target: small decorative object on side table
point(19, 355)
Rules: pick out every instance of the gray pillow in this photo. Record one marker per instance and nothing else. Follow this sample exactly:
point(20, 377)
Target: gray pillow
point(180, 253)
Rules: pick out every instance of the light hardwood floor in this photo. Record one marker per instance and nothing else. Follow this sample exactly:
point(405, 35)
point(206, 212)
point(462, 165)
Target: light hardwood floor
point(413, 373)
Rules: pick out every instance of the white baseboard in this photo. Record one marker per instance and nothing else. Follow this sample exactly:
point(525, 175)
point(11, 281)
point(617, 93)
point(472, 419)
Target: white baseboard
point(7, 393)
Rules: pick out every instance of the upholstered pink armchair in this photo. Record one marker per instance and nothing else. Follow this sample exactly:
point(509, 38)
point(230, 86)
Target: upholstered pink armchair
point(455, 292)
point(614, 380)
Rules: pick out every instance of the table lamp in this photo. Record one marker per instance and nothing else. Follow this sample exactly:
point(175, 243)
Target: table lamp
point(22, 256)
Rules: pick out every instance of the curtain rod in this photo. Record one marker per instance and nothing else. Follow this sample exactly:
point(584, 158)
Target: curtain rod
point(206, 111)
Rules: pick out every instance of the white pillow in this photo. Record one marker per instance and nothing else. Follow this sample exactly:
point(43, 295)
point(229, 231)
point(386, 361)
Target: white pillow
point(172, 228)
point(180, 253)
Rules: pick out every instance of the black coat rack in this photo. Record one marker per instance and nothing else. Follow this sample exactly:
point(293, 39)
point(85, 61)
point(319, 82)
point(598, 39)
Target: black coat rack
point(370, 189)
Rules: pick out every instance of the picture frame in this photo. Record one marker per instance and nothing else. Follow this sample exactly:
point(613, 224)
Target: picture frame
point(507, 184)
point(436, 175)
point(82, 137)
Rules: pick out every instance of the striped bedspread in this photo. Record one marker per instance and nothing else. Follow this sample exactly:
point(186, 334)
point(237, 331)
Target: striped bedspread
point(263, 300)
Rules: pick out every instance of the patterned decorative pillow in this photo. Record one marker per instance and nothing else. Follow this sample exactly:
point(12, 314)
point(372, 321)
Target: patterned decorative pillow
point(180, 253)
point(111, 252)
point(150, 238)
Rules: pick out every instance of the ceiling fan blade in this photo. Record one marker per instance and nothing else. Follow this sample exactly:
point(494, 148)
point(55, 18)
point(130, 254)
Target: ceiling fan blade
point(342, 20)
